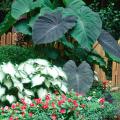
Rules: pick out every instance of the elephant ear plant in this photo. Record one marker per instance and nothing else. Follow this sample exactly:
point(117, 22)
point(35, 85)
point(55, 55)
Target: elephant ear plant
point(49, 21)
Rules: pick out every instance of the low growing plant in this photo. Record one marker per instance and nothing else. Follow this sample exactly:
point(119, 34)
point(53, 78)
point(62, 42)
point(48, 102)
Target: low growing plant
point(70, 106)
point(16, 54)
point(32, 78)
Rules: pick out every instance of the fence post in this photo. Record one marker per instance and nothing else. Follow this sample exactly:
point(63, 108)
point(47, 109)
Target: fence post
point(116, 72)
point(100, 72)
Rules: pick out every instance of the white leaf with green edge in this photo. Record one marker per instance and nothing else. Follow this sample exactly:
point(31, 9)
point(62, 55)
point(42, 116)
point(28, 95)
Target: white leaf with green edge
point(27, 100)
point(26, 80)
point(20, 7)
point(28, 68)
point(110, 45)
point(88, 26)
point(2, 75)
point(28, 92)
point(56, 82)
point(64, 88)
point(20, 95)
point(8, 68)
point(23, 27)
point(47, 83)
point(60, 72)
point(18, 84)
point(37, 80)
point(2, 91)
point(10, 98)
point(75, 3)
point(42, 93)
point(7, 83)
point(80, 78)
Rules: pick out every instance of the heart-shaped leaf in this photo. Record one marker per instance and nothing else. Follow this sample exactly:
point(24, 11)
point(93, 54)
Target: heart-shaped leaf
point(110, 45)
point(20, 7)
point(51, 27)
point(80, 78)
point(88, 26)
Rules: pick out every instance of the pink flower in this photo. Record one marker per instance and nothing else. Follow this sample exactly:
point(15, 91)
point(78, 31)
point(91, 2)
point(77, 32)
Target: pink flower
point(5, 108)
point(75, 103)
point(83, 105)
point(23, 114)
point(30, 114)
point(53, 104)
point(62, 111)
point(101, 100)
point(69, 100)
point(47, 97)
point(32, 104)
point(45, 106)
point(11, 118)
point(13, 106)
point(38, 101)
point(63, 97)
point(23, 107)
point(60, 102)
point(53, 117)
point(23, 101)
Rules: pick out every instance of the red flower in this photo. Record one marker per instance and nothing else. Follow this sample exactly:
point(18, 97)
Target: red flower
point(11, 118)
point(69, 100)
point(47, 97)
point(62, 111)
point(23, 114)
point(45, 106)
point(53, 104)
point(32, 105)
point(16, 118)
point(53, 117)
point(38, 101)
point(83, 105)
point(63, 97)
point(56, 92)
point(30, 114)
point(13, 106)
point(23, 107)
point(101, 100)
point(75, 103)
point(23, 101)
point(60, 102)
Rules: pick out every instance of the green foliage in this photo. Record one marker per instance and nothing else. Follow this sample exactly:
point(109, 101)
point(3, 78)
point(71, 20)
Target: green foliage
point(15, 54)
point(71, 106)
point(32, 78)
point(110, 15)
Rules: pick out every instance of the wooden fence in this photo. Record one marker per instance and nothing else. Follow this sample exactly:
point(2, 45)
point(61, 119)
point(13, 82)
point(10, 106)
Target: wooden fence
point(11, 39)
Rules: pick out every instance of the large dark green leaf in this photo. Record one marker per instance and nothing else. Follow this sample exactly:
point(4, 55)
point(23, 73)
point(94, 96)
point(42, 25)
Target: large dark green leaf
point(110, 45)
point(23, 27)
point(7, 23)
point(88, 26)
point(79, 78)
point(20, 7)
point(75, 3)
point(95, 58)
point(51, 27)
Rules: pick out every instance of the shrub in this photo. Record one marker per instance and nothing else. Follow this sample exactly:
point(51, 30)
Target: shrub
point(71, 106)
point(15, 54)
point(32, 78)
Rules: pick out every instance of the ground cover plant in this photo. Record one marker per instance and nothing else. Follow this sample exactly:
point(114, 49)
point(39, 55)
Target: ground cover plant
point(74, 26)
point(70, 106)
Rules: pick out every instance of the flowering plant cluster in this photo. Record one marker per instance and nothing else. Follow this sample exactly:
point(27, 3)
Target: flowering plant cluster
point(33, 78)
point(70, 106)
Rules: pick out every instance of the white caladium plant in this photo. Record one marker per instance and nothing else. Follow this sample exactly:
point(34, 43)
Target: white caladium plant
point(32, 78)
